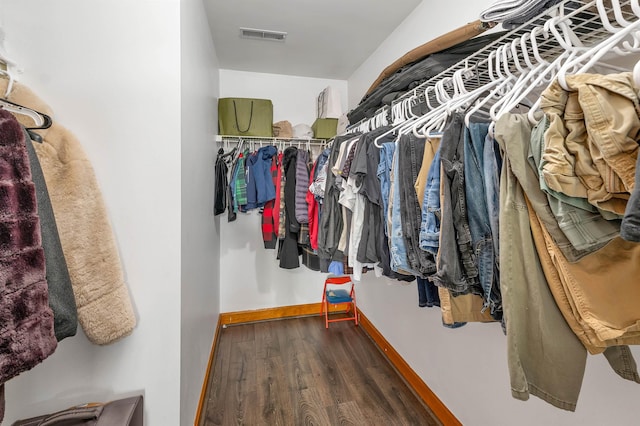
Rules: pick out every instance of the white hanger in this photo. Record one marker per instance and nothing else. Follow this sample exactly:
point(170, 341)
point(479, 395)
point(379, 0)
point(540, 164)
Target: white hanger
point(636, 74)
point(537, 75)
point(635, 6)
point(592, 55)
point(435, 120)
point(496, 92)
point(617, 12)
point(11, 66)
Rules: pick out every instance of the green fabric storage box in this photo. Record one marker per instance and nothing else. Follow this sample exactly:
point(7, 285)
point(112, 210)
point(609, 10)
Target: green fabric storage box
point(245, 117)
point(325, 128)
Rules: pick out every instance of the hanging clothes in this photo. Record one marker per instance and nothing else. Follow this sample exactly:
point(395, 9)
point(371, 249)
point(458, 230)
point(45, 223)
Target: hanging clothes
point(61, 298)
point(534, 274)
point(105, 311)
point(331, 223)
point(220, 198)
point(302, 186)
point(27, 334)
point(289, 250)
point(269, 213)
point(457, 268)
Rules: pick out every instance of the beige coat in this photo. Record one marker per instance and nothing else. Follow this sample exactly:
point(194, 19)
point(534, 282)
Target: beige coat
point(104, 307)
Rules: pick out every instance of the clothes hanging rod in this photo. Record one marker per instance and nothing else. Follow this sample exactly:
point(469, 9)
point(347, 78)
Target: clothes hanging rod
point(382, 110)
point(266, 139)
point(582, 19)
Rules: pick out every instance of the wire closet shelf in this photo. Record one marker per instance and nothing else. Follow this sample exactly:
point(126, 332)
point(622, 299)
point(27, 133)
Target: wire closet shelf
point(581, 22)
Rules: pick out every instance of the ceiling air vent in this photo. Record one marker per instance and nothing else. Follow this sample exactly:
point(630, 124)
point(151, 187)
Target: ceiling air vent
point(262, 34)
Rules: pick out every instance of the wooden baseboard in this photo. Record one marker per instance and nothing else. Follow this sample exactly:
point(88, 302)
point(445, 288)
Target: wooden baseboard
point(205, 381)
point(411, 377)
point(421, 389)
point(275, 313)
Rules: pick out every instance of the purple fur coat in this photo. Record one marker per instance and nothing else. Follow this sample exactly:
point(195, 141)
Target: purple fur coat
point(26, 320)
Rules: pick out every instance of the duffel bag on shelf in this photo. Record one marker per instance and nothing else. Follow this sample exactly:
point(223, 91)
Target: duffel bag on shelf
point(245, 117)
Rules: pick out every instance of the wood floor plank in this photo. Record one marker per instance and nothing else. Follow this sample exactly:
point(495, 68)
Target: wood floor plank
point(217, 386)
point(406, 407)
point(267, 342)
point(348, 414)
point(274, 398)
point(311, 409)
point(244, 333)
point(296, 372)
point(327, 373)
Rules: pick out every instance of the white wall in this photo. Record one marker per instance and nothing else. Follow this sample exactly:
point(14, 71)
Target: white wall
point(467, 367)
point(200, 240)
point(293, 97)
point(116, 84)
point(250, 277)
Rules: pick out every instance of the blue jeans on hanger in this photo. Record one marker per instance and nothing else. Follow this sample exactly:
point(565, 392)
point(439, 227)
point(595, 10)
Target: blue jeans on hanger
point(492, 164)
point(427, 293)
point(410, 153)
point(430, 226)
point(397, 249)
point(478, 216)
point(384, 171)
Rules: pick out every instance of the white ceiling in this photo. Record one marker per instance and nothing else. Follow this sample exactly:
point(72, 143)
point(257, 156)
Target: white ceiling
point(326, 38)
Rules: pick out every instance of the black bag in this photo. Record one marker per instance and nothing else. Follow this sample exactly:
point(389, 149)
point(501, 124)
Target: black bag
point(121, 412)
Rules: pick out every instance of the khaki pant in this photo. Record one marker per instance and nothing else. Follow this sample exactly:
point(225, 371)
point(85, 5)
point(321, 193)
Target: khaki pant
point(543, 316)
point(545, 357)
point(590, 146)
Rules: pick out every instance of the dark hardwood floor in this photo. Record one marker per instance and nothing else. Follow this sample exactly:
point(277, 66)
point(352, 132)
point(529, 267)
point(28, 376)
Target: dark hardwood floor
point(296, 372)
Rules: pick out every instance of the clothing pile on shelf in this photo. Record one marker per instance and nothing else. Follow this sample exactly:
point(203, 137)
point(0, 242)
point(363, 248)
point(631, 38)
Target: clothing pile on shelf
point(413, 74)
point(512, 13)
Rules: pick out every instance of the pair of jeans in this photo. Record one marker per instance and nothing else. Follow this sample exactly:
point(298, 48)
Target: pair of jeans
point(384, 171)
point(397, 249)
point(431, 146)
point(427, 293)
point(457, 269)
point(410, 153)
point(430, 225)
point(591, 147)
point(492, 163)
point(478, 216)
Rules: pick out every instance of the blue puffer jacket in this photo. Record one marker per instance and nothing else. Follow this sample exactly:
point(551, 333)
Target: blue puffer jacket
point(260, 188)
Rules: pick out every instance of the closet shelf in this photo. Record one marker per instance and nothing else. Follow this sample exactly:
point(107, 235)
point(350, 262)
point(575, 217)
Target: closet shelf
point(269, 140)
point(582, 19)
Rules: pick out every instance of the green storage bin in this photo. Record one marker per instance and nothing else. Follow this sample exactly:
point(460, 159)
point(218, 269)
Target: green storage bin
point(245, 117)
point(325, 128)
